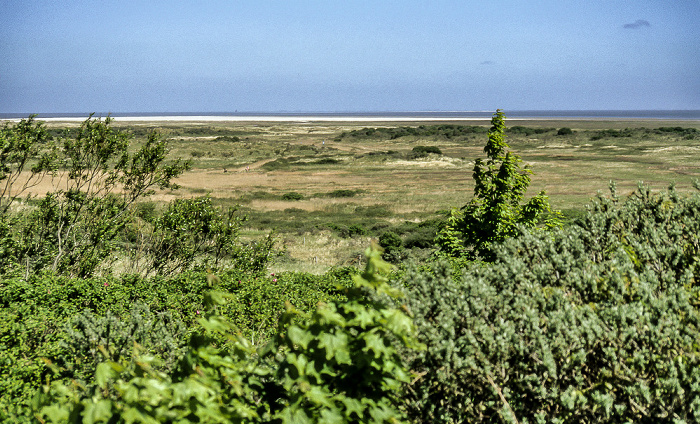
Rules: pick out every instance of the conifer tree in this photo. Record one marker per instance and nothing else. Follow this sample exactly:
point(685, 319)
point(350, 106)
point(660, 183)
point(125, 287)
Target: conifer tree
point(495, 211)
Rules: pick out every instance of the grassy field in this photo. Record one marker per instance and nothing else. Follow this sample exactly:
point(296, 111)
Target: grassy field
point(327, 187)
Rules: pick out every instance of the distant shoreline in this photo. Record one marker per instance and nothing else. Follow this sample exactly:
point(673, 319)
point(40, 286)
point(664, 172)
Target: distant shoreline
point(679, 115)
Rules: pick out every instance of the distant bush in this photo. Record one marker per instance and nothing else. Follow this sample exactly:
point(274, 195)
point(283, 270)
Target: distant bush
point(228, 139)
point(326, 161)
point(423, 236)
point(565, 131)
point(442, 131)
point(392, 245)
point(610, 133)
point(686, 133)
point(292, 196)
point(423, 151)
point(374, 211)
point(427, 149)
point(527, 131)
point(678, 130)
point(348, 231)
point(341, 193)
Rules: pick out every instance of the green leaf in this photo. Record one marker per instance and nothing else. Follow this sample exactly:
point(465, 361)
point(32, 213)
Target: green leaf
point(100, 411)
point(376, 344)
point(57, 413)
point(336, 346)
point(299, 336)
point(104, 372)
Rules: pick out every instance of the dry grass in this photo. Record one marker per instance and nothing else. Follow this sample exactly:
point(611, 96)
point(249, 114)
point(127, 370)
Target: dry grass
point(570, 168)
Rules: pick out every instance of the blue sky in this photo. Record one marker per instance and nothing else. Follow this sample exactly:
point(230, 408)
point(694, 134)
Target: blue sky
point(326, 55)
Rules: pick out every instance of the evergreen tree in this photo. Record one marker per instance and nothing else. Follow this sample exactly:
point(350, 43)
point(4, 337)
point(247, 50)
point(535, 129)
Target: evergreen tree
point(495, 211)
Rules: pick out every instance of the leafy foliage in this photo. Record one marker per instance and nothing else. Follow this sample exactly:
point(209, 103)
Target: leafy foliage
point(75, 226)
point(68, 319)
point(342, 365)
point(565, 131)
point(25, 144)
point(187, 229)
point(392, 245)
point(597, 322)
point(495, 211)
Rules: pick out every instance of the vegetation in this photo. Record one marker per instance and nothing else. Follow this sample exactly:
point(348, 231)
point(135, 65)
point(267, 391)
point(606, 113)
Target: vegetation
point(439, 131)
point(124, 300)
point(341, 364)
point(596, 322)
point(495, 213)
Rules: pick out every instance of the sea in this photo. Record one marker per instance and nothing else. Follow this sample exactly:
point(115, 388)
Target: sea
point(380, 115)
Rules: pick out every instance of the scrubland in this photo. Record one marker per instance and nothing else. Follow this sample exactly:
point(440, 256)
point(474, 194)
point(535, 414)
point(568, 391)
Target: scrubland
point(349, 176)
point(248, 294)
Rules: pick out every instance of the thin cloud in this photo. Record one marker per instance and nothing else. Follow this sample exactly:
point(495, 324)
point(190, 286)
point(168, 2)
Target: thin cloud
point(639, 23)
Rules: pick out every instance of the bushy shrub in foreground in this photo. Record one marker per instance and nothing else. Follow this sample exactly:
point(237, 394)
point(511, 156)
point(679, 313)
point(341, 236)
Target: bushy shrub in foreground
point(73, 322)
point(598, 322)
point(340, 365)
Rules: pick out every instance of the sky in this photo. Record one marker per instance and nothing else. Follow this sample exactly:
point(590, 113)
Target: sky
point(348, 56)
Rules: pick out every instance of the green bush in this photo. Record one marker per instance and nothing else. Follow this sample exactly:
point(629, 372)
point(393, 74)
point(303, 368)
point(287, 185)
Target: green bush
point(610, 133)
point(423, 151)
point(594, 323)
point(67, 319)
point(341, 364)
point(527, 131)
point(446, 131)
point(392, 245)
point(75, 228)
point(228, 139)
point(341, 193)
point(326, 161)
point(565, 131)
point(495, 211)
point(292, 196)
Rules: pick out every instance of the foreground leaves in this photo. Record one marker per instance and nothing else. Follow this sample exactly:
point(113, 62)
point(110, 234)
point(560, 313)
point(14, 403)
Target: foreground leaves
point(340, 365)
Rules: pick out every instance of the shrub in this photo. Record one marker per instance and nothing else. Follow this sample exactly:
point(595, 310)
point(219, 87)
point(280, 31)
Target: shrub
point(75, 227)
point(67, 319)
point(292, 196)
point(421, 237)
point(340, 365)
point(610, 133)
point(326, 161)
point(593, 323)
point(527, 131)
point(342, 193)
point(565, 131)
point(90, 339)
point(392, 245)
point(495, 211)
point(427, 149)
point(228, 139)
